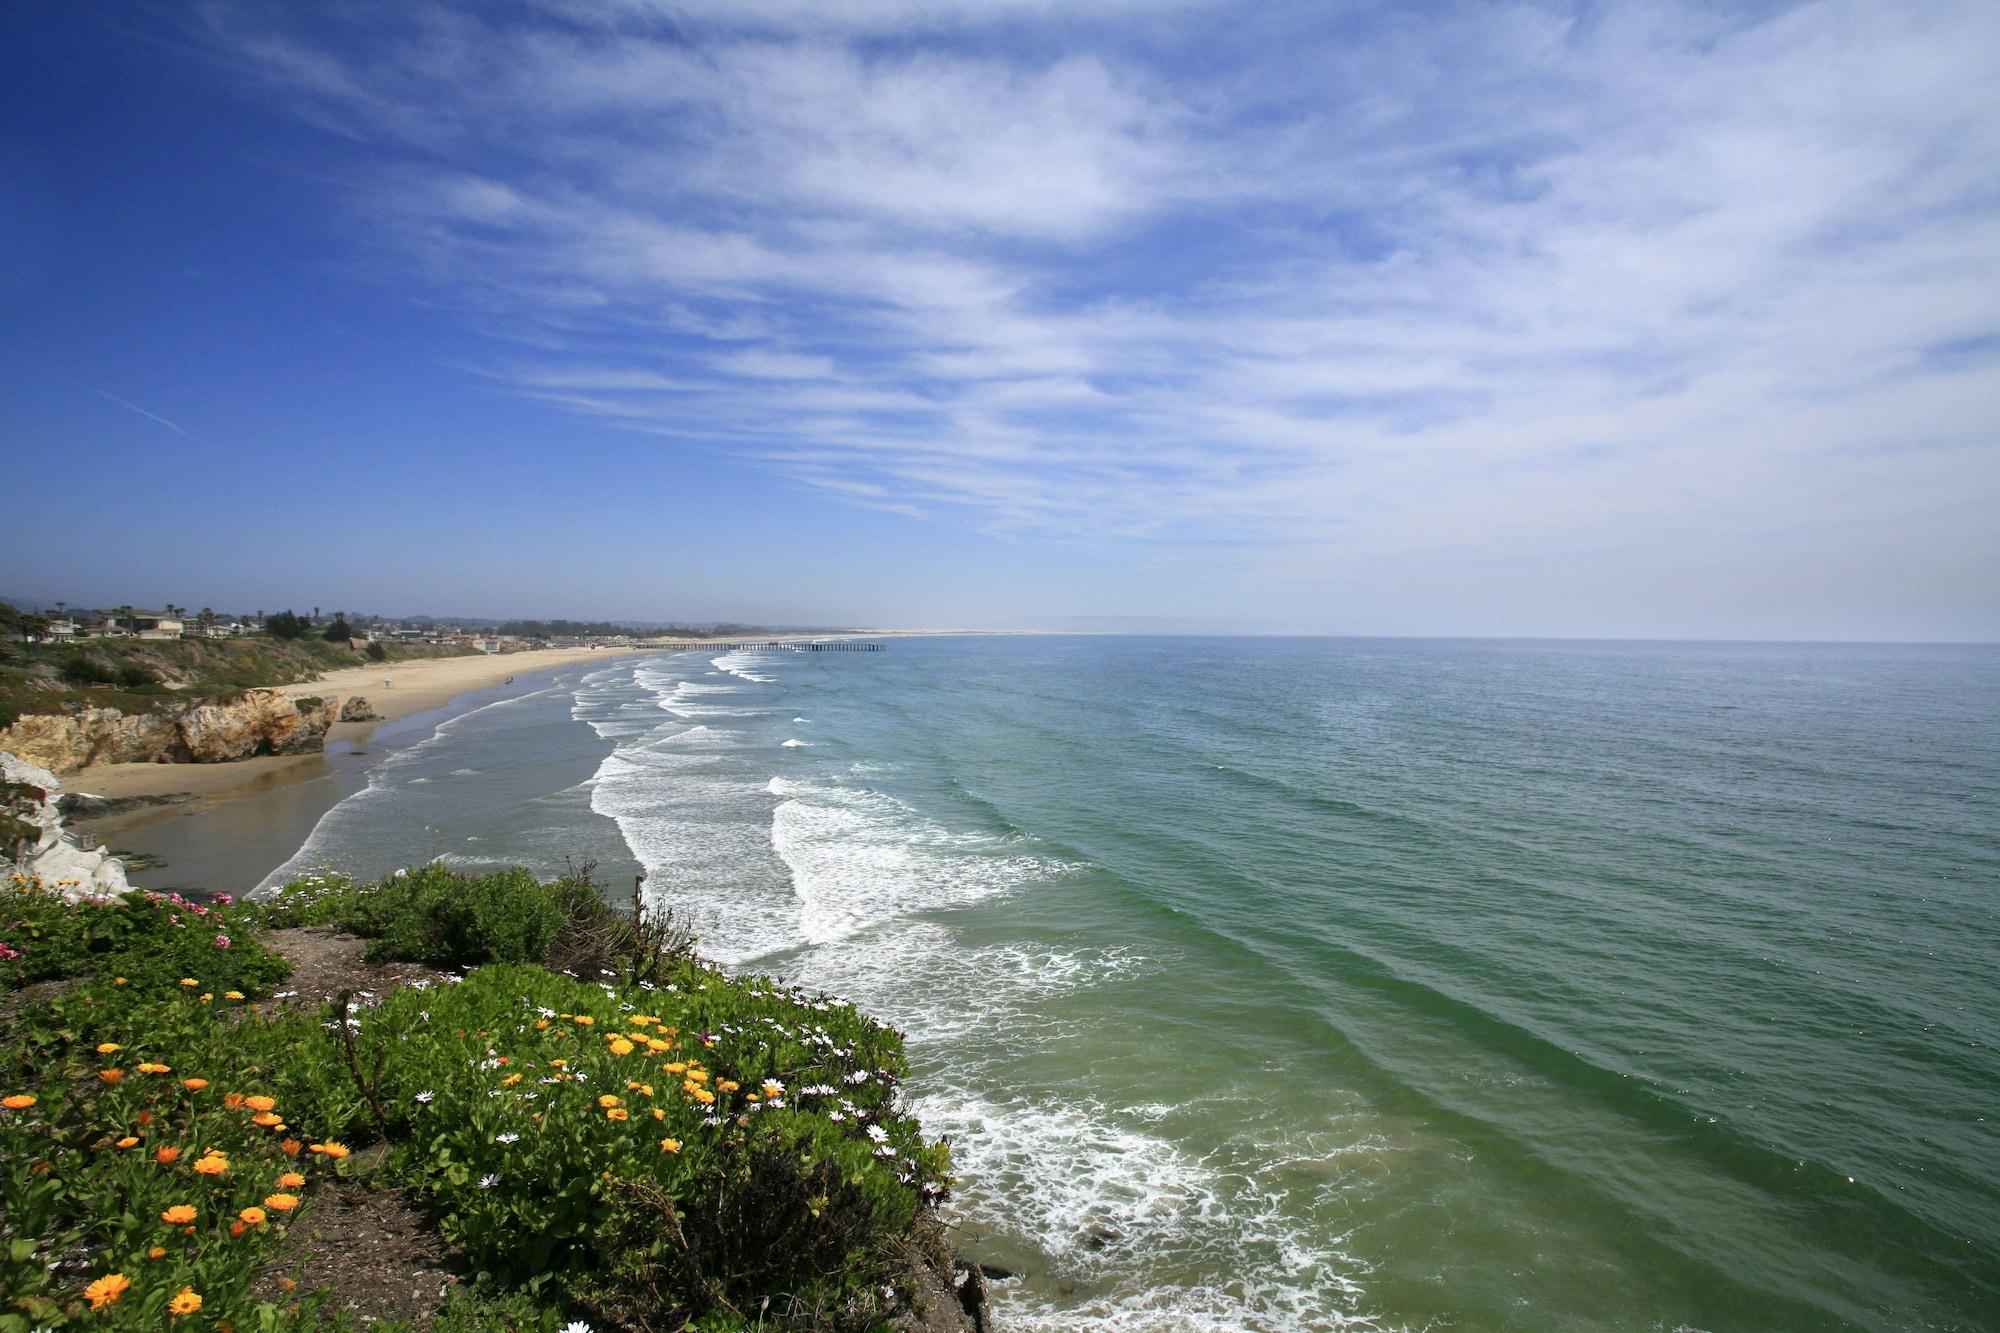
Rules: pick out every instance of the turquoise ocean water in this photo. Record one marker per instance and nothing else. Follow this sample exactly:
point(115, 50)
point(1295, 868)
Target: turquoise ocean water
point(1276, 984)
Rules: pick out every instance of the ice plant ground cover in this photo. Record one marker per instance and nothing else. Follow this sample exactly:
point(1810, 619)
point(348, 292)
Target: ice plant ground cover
point(691, 1151)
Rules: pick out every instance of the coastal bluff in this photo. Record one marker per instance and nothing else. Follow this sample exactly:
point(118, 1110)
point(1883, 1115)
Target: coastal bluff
point(259, 722)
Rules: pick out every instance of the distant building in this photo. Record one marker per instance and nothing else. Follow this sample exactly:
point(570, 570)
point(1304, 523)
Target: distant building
point(142, 625)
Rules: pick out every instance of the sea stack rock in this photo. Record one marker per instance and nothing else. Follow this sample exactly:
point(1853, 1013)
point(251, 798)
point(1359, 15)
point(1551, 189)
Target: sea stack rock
point(358, 709)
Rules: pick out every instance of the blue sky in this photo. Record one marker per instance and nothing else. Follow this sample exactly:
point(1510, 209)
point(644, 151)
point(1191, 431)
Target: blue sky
point(1647, 320)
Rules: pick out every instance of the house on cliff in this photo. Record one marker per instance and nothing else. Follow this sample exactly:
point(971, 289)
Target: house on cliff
point(142, 625)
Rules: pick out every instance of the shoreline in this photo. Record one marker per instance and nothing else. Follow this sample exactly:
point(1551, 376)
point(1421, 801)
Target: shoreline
point(249, 815)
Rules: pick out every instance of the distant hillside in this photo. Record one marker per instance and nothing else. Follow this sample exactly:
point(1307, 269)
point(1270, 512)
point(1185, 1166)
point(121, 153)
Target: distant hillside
point(140, 675)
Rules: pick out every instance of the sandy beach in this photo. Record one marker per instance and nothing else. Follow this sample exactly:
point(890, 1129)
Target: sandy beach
point(248, 816)
point(395, 689)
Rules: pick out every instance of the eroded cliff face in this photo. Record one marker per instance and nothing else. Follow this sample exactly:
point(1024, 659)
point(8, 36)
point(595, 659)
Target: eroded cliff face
point(260, 722)
point(36, 843)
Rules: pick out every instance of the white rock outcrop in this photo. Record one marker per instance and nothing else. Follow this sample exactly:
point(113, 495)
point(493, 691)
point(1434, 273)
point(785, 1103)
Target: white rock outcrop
point(47, 850)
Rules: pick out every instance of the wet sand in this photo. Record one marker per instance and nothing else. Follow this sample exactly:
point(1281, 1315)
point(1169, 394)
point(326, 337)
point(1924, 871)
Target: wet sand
point(251, 815)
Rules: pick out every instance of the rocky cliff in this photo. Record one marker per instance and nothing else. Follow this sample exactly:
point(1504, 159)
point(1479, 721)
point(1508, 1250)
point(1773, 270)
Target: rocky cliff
point(33, 842)
point(259, 722)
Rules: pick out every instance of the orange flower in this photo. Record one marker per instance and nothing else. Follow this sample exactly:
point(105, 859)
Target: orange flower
point(189, 981)
point(167, 1156)
point(608, 1100)
point(617, 1113)
point(620, 1046)
point(194, 1084)
point(179, 1215)
point(253, 1216)
point(658, 1114)
point(232, 995)
point(332, 1151)
point(154, 1067)
point(292, 1180)
point(106, 1290)
point(128, 1142)
point(185, 1301)
point(117, 981)
point(292, 1147)
point(157, 1252)
point(145, 1117)
point(281, 1203)
point(584, 1020)
point(510, 1080)
point(266, 1119)
point(212, 1165)
point(260, 1103)
point(20, 1101)
point(108, 1048)
point(670, 1145)
point(232, 1100)
point(236, 1229)
point(112, 1076)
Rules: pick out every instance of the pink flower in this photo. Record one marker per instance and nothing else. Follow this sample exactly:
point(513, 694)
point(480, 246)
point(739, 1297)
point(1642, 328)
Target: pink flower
point(224, 899)
point(222, 941)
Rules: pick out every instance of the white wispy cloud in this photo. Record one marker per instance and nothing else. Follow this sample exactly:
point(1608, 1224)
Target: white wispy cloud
point(1508, 283)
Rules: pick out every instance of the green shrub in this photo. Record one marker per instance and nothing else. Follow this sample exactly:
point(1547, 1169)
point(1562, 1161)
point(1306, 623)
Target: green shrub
point(434, 914)
point(658, 1155)
point(145, 937)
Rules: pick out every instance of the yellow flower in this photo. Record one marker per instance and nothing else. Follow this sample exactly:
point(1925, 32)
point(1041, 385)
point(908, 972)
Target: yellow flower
point(186, 1301)
point(541, 1024)
point(510, 1080)
point(620, 1046)
point(584, 1020)
point(232, 995)
point(252, 1216)
point(151, 1067)
point(332, 1151)
point(291, 1180)
point(20, 1101)
point(106, 1290)
point(117, 981)
point(617, 1113)
point(189, 981)
point(179, 1215)
point(608, 1100)
point(658, 1114)
point(108, 1048)
point(206, 996)
point(167, 1156)
point(212, 1165)
point(675, 1067)
point(267, 1119)
point(128, 1142)
point(727, 1084)
point(260, 1103)
point(194, 1084)
point(281, 1203)
point(670, 1145)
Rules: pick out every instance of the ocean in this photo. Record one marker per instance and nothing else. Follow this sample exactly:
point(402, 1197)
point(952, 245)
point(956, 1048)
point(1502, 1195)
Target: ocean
point(1282, 984)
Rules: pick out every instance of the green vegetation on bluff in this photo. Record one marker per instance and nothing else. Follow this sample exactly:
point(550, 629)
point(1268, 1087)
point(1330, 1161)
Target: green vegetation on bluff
point(663, 1148)
point(141, 675)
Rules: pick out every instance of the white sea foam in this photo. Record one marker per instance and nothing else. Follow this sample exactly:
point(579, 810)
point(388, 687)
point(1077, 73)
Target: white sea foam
point(858, 857)
point(1124, 1216)
point(738, 664)
point(796, 744)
